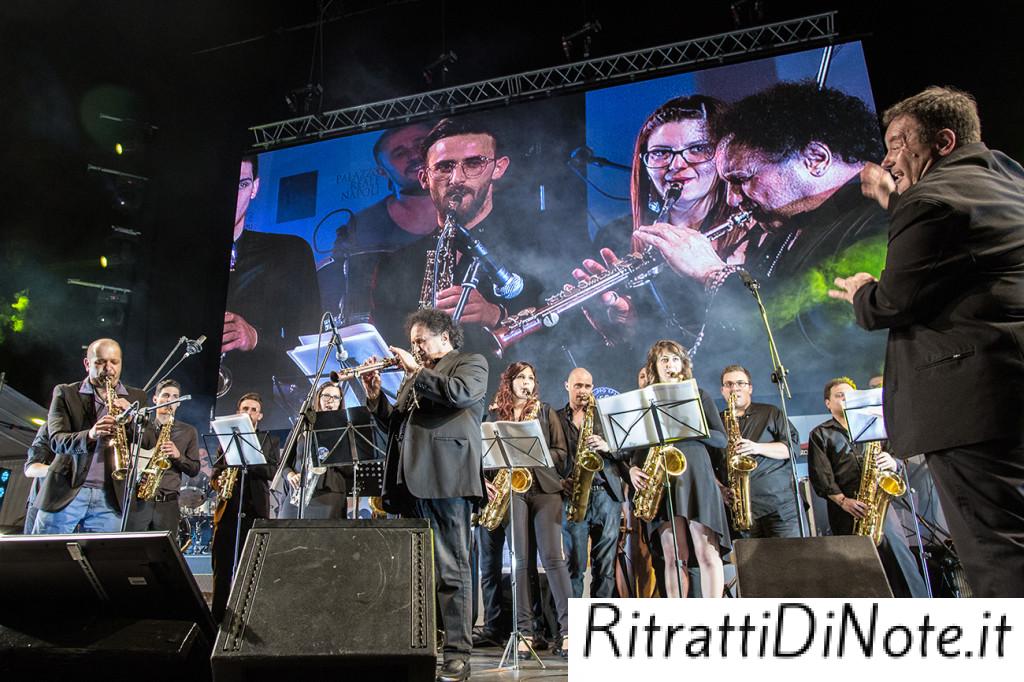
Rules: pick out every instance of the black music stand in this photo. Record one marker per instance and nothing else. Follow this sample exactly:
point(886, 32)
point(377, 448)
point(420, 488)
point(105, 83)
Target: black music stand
point(656, 416)
point(241, 449)
point(514, 445)
point(349, 437)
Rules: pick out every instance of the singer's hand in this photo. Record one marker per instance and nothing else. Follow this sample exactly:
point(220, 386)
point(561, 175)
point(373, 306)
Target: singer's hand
point(478, 309)
point(877, 183)
point(238, 334)
point(103, 427)
point(371, 380)
point(169, 449)
point(409, 364)
point(688, 252)
point(620, 308)
point(849, 286)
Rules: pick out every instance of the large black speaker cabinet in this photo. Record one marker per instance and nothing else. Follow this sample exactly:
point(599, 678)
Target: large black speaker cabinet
point(331, 597)
point(100, 606)
point(830, 566)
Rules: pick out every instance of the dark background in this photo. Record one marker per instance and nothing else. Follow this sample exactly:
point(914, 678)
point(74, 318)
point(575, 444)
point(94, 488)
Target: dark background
point(204, 72)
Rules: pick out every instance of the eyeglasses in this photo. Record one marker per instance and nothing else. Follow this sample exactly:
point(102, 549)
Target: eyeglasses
point(471, 167)
point(735, 384)
point(662, 157)
point(330, 397)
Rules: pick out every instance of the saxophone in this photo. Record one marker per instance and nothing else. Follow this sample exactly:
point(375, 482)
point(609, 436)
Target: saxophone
point(738, 471)
point(587, 464)
point(149, 479)
point(226, 483)
point(877, 488)
point(507, 481)
point(312, 478)
point(122, 456)
point(662, 461)
point(440, 269)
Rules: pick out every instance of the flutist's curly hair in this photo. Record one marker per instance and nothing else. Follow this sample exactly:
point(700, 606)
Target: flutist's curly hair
point(438, 322)
point(782, 120)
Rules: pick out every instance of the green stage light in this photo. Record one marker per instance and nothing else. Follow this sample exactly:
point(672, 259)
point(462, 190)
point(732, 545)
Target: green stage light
point(104, 262)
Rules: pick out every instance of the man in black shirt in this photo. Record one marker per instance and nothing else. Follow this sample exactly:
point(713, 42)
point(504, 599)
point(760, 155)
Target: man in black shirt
point(604, 511)
point(255, 504)
point(763, 431)
point(834, 466)
point(182, 449)
point(273, 298)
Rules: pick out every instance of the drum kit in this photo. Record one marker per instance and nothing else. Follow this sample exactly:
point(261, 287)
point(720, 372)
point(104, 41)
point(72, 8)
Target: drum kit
point(197, 501)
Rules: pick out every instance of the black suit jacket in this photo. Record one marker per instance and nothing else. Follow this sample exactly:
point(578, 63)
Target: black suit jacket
point(256, 501)
point(435, 449)
point(71, 416)
point(952, 298)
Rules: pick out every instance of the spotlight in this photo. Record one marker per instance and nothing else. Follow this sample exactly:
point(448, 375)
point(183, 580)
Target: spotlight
point(300, 100)
point(439, 65)
point(587, 32)
point(38, 421)
point(104, 262)
point(131, 135)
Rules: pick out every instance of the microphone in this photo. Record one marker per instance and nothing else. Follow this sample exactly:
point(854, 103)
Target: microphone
point(585, 156)
point(340, 353)
point(128, 414)
point(748, 281)
point(194, 347)
point(506, 284)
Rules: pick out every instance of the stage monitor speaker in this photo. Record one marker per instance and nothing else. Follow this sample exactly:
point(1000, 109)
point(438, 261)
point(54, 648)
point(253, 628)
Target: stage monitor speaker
point(330, 597)
point(100, 604)
point(830, 566)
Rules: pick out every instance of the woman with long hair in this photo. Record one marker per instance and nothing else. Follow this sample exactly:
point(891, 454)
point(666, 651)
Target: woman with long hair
point(700, 518)
point(539, 509)
point(327, 499)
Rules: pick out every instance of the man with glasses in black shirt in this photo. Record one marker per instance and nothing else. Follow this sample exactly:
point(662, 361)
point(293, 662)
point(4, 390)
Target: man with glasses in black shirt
point(763, 437)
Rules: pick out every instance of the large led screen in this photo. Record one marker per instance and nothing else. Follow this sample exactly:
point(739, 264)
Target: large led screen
point(612, 219)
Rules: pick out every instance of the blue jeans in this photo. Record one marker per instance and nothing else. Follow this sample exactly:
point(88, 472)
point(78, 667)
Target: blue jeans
point(603, 519)
point(89, 512)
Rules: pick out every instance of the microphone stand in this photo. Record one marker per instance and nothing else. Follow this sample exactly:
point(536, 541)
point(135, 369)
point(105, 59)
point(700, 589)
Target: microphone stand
point(469, 282)
point(190, 349)
point(138, 421)
point(306, 421)
point(779, 373)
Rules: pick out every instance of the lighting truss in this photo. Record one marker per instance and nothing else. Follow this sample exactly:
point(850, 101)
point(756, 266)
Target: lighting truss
point(544, 82)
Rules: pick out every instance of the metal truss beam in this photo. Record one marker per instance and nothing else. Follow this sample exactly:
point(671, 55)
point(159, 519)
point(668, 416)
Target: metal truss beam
point(532, 84)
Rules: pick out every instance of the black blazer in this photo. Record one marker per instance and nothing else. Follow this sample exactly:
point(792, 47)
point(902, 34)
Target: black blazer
point(71, 416)
point(952, 297)
point(256, 502)
point(436, 446)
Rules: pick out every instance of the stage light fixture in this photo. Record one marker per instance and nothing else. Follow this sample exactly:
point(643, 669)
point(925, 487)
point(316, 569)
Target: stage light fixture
point(439, 66)
point(38, 421)
point(104, 262)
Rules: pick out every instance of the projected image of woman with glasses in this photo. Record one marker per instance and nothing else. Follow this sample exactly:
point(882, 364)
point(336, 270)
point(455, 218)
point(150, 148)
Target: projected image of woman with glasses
point(674, 190)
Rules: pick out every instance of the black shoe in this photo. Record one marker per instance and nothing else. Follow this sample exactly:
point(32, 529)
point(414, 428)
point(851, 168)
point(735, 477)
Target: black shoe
point(539, 642)
point(454, 670)
point(560, 647)
point(485, 638)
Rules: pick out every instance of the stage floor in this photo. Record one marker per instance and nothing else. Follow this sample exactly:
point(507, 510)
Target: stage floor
point(485, 667)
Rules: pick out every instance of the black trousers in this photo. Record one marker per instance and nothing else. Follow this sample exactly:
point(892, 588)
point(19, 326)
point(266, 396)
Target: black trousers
point(450, 520)
point(545, 512)
point(223, 558)
point(981, 488)
point(155, 516)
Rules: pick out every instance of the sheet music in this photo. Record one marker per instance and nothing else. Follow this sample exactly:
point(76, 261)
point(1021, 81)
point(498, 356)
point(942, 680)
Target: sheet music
point(864, 416)
point(519, 444)
point(225, 427)
point(628, 419)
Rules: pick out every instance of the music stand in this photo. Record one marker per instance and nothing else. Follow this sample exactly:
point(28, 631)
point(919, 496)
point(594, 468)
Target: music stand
point(866, 423)
point(514, 445)
point(242, 448)
point(359, 341)
point(655, 416)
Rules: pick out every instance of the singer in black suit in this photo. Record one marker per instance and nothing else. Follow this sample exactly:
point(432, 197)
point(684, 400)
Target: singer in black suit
point(79, 490)
point(433, 468)
point(255, 504)
point(952, 298)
